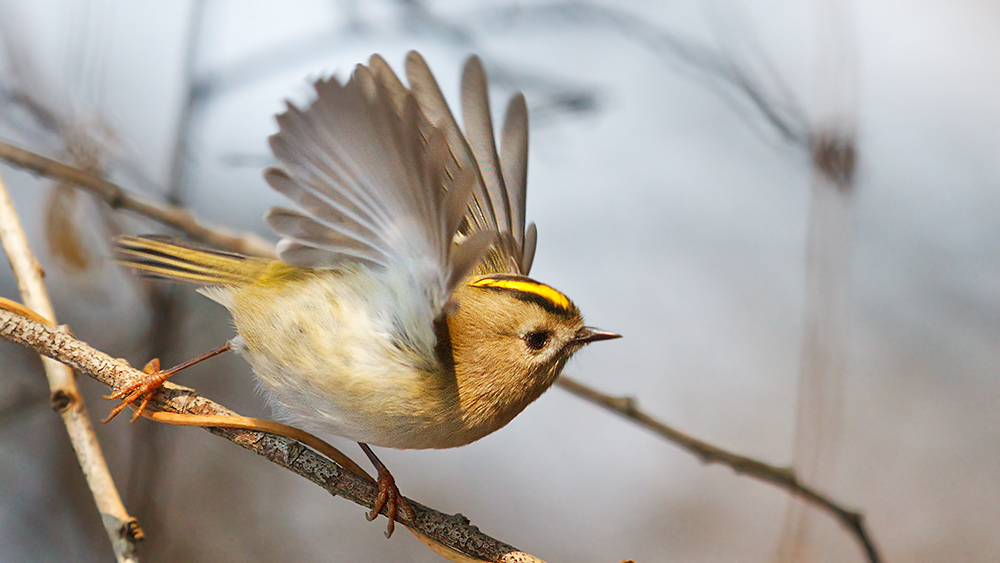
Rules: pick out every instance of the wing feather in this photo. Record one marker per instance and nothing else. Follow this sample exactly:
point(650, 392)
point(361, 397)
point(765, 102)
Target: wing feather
point(305, 229)
point(468, 255)
point(428, 94)
point(499, 193)
point(514, 159)
point(328, 175)
point(479, 131)
point(530, 238)
point(371, 175)
point(320, 208)
point(383, 175)
point(297, 252)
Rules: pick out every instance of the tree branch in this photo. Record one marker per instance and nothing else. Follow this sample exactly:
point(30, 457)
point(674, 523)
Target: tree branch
point(451, 536)
point(779, 476)
point(123, 530)
point(119, 198)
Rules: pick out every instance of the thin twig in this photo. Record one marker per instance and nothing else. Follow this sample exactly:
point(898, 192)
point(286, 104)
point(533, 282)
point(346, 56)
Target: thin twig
point(453, 535)
point(750, 93)
point(123, 530)
point(550, 97)
point(119, 198)
point(180, 161)
point(779, 476)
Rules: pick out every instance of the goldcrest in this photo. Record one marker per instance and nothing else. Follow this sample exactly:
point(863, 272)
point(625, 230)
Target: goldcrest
point(400, 314)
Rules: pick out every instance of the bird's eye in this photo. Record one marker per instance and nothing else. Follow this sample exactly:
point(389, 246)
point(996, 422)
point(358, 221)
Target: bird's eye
point(536, 339)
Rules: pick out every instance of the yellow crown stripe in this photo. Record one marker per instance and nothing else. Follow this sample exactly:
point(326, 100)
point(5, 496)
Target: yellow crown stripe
point(535, 288)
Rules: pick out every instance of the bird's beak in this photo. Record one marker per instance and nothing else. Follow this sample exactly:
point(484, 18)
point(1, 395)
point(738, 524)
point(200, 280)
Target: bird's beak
point(589, 334)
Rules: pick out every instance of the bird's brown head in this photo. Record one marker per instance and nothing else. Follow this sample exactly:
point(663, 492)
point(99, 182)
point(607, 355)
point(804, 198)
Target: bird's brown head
point(510, 338)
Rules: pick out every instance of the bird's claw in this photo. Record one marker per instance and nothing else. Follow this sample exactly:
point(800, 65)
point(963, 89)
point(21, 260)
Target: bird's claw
point(144, 387)
point(389, 498)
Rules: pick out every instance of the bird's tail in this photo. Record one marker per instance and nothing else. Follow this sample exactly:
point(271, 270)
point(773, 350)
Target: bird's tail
point(164, 258)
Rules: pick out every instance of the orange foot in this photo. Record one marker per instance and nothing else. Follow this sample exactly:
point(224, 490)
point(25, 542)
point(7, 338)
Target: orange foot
point(390, 499)
point(144, 387)
point(388, 496)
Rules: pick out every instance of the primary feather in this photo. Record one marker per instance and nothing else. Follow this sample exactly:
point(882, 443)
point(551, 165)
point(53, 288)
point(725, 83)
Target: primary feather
point(384, 176)
point(370, 174)
point(498, 201)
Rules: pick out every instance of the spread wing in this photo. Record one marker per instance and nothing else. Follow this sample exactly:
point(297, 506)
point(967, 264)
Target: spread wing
point(498, 198)
point(375, 184)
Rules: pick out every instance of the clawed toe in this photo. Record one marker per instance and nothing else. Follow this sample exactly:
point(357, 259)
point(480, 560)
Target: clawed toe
point(143, 388)
point(389, 499)
point(388, 496)
point(146, 387)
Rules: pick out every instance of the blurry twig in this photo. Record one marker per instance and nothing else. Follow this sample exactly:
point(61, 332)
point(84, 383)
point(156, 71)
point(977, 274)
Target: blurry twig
point(781, 477)
point(751, 87)
point(180, 161)
point(119, 198)
point(551, 97)
point(833, 151)
point(123, 530)
point(451, 536)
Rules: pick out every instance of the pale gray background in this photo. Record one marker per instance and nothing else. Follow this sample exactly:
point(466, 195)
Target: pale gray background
point(665, 213)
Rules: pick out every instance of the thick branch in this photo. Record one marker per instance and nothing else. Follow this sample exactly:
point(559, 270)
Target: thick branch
point(119, 198)
point(781, 477)
point(457, 539)
point(123, 530)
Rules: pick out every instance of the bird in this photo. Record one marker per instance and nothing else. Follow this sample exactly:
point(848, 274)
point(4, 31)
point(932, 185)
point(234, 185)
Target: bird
point(399, 312)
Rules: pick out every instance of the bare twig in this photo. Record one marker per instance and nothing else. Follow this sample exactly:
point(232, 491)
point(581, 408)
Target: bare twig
point(119, 198)
point(452, 535)
point(550, 97)
point(825, 330)
point(833, 148)
point(180, 162)
point(779, 476)
point(122, 529)
point(750, 91)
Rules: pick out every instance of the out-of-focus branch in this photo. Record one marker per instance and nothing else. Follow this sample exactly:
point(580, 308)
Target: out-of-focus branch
point(123, 530)
point(754, 91)
point(550, 97)
point(451, 536)
point(180, 162)
point(779, 476)
point(119, 198)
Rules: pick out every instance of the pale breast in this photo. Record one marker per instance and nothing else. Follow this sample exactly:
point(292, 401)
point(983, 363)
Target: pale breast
point(333, 358)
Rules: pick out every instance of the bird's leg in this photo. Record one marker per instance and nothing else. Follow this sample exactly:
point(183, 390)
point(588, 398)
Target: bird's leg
point(388, 494)
point(146, 387)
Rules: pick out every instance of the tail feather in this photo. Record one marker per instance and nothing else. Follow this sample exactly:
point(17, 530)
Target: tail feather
point(164, 258)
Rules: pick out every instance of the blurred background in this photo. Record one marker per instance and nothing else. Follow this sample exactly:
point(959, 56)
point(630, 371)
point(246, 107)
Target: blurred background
point(846, 319)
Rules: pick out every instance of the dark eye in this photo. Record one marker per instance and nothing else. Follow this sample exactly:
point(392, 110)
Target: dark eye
point(537, 339)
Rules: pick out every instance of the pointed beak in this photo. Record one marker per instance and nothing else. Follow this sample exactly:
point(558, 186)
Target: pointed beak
point(589, 334)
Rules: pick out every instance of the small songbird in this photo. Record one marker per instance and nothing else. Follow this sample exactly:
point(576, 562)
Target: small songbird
point(400, 314)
